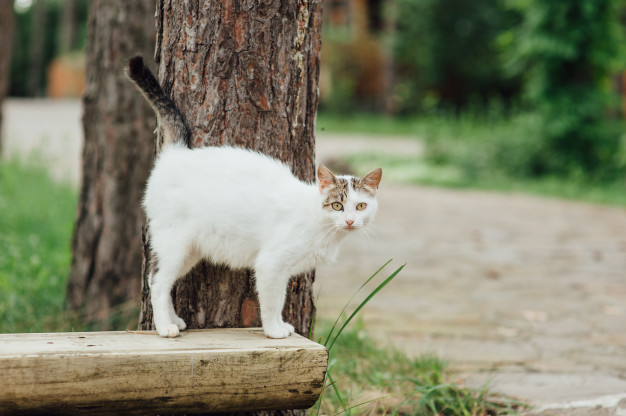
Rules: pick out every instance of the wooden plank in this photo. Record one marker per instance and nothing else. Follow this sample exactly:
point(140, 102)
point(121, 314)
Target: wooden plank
point(218, 370)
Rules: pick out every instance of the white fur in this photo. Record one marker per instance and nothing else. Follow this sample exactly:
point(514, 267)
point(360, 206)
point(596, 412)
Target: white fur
point(245, 210)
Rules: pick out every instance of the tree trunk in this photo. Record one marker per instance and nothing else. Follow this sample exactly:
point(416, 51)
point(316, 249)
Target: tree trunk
point(68, 24)
point(38, 25)
point(117, 157)
point(7, 23)
point(242, 74)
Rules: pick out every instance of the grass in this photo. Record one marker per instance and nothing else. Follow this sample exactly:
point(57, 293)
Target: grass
point(365, 378)
point(371, 124)
point(36, 222)
point(411, 171)
point(488, 152)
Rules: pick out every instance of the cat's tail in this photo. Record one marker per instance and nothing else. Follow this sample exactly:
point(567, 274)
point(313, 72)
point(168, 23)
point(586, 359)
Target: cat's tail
point(170, 120)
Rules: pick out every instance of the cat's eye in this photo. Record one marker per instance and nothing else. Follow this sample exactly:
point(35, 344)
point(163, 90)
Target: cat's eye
point(337, 206)
point(361, 206)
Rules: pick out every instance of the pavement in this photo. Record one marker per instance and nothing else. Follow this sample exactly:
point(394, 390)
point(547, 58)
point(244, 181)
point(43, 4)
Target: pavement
point(525, 293)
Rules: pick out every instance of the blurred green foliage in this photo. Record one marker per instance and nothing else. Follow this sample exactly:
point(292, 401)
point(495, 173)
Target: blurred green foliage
point(36, 218)
point(490, 150)
point(556, 64)
point(51, 30)
point(567, 53)
point(449, 53)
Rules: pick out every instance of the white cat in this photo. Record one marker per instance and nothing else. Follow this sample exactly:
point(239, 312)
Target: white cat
point(243, 209)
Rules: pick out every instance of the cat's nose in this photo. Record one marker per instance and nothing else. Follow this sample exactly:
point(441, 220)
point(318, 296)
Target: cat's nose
point(349, 222)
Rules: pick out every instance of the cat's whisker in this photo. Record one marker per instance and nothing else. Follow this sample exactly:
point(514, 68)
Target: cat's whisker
point(369, 234)
point(331, 236)
point(332, 233)
point(326, 235)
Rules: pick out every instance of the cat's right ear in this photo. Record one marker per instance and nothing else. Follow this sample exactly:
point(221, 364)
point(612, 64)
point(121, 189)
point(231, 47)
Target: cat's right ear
point(325, 178)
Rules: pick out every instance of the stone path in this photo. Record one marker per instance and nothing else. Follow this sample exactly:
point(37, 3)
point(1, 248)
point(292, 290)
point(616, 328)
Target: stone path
point(528, 293)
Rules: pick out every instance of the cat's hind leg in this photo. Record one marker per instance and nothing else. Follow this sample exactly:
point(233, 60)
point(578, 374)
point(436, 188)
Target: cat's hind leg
point(172, 264)
point(191, 259)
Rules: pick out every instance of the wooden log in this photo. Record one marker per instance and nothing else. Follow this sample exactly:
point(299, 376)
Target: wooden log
point(208, 371)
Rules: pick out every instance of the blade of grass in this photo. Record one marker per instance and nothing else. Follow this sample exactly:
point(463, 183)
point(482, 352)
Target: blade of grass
point(325, 385)
point(367, 299)
point(332, 329)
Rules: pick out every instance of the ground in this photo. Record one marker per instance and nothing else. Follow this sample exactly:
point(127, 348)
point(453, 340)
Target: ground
point(526, 292)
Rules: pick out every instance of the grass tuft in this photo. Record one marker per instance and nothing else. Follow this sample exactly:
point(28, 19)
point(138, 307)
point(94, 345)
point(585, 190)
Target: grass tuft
point(358, 369)
point(365, 378)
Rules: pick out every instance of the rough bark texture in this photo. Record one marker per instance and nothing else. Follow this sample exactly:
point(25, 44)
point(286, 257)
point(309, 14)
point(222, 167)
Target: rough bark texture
point(242, 73)
point(7, 23)
point(117, 157)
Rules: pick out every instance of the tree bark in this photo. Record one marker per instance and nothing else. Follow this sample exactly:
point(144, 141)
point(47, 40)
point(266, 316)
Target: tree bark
point(117, 157)
point(242, 74)
point(7, 24)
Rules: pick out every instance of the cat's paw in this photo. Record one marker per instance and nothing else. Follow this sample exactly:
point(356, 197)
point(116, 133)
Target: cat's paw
point(280, 330)
point(168, 331)
point(180, 323)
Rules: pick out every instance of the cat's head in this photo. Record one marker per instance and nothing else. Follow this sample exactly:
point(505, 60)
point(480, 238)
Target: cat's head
point(349, 203)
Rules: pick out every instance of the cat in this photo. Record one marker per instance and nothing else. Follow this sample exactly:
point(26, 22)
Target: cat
point(240, 208)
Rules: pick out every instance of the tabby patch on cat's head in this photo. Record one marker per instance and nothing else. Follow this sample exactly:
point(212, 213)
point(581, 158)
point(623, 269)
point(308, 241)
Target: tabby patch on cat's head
point(327, 180)
point(349, 201)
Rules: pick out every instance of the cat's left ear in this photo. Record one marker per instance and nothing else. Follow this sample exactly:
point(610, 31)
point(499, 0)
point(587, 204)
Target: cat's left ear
point(325, 178)
point(372, 179)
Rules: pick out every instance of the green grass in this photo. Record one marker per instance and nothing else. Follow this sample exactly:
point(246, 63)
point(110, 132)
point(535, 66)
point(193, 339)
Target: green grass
point(411, 171)
point(365, 378)
point(36, 221)
point(488, 152)
point(371, 124)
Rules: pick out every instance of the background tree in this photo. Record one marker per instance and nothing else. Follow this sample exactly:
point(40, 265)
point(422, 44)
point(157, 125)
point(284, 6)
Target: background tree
point(242, 75)
point(117, 157)
point(7, 23)
point(69, 27)
point(37, 45)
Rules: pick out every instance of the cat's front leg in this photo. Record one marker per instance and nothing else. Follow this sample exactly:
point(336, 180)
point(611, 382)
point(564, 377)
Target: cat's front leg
point(271, 286)
point(162, 308)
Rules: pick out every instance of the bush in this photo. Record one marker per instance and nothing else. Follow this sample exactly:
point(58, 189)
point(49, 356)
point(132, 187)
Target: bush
point(568, 52)
point(483, 148)
point(449, 53)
